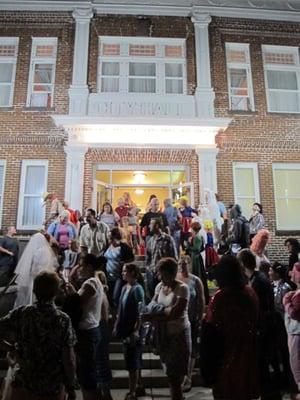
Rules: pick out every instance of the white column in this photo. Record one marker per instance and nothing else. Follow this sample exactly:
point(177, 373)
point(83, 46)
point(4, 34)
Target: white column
point(204, 95)
point(78, 92)
point(75, 176)
point(207, 170)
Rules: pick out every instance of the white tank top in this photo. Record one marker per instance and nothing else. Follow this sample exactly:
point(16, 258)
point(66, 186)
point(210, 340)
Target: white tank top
point(91, 311)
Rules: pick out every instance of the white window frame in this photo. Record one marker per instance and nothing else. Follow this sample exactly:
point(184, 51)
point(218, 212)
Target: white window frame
point(2, 164)
point(159, 59)
point(25, 164)
point(246, 165)
point(245, 47)
point(10, 60)
point(282, 166)
point(38, 41)
point(281, 67)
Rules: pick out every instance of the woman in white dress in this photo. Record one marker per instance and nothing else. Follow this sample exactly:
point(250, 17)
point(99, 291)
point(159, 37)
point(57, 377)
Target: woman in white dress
point(37, 256)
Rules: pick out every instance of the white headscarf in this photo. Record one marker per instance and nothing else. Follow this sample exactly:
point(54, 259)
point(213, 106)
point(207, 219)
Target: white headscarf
point(37, 256)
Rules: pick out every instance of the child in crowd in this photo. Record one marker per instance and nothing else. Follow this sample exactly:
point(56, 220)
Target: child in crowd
point(70, 258)
point(126, 231)
point(133, 216)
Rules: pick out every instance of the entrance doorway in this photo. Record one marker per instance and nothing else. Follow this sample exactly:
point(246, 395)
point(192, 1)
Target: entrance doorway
point(141, 182)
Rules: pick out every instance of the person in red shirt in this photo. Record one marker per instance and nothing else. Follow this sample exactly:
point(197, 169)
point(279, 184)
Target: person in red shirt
point(121, 210)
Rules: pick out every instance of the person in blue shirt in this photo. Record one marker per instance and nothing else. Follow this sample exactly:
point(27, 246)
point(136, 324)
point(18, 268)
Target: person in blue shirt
point(128, 326)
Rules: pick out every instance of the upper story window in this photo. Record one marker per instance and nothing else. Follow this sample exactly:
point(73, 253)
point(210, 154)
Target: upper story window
point(42, 72)
point(239, 77)
point(141, 65)
point(8, 61)
point(282, 78)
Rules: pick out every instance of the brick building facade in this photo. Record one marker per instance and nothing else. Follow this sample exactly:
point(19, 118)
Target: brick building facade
point(214, 110)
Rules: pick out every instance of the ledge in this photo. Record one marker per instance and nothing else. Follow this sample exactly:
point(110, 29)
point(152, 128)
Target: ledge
point(287, 233)
point(38, 109)
point(5, 109)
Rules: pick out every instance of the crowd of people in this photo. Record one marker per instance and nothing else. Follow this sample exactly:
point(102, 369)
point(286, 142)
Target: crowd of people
point(209, 291)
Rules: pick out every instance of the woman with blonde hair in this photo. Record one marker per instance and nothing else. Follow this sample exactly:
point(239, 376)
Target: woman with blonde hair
point(258, 246)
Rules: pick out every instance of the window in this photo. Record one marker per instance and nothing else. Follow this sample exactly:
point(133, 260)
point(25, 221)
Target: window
point(282, 78)
point(141, 65)
point(42, 72)
point(8, 61)
point(287, 195)
point(246, 186)
point(239, 77)
point(33, 184)
point(2, 178)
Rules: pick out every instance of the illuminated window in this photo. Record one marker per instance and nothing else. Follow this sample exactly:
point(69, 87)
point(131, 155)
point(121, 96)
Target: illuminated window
point(42, 72)
point(147, 65)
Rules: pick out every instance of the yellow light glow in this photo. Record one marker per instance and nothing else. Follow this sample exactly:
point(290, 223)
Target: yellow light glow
point(139, 177)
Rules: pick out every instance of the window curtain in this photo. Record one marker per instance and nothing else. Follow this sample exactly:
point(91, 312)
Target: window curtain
point(110, 77)
point(6, 71)
point(174, 70)
point(43, 73)
point(34, 188)
point(143, 84)
point(283, 91)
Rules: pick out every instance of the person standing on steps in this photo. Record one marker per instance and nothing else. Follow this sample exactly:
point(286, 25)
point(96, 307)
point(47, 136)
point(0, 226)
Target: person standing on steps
point(9, 251)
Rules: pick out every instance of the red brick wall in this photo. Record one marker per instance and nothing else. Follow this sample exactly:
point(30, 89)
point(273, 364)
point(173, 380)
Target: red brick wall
point(27, 133)
point(259, 136)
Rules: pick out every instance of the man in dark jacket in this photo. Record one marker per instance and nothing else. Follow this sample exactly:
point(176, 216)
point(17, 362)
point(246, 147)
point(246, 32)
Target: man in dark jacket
point(239, 232)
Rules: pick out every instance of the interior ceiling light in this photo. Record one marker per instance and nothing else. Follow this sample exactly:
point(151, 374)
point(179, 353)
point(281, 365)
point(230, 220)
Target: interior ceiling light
point(139, 192)
point(139, 177)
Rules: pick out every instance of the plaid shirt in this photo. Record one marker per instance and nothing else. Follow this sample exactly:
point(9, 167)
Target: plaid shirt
point(159, 246)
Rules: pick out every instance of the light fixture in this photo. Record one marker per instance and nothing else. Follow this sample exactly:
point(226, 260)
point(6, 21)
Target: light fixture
point(139, 177)
point(139, 192)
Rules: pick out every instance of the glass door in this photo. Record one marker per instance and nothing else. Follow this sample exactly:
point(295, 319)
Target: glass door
point(102, 192)
point(184, 189)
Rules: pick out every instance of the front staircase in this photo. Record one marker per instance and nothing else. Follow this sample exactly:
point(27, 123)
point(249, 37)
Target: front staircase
point(152, 374)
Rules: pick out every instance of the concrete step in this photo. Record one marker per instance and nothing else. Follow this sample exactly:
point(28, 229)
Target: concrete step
point(150, 361)
point(152, 378)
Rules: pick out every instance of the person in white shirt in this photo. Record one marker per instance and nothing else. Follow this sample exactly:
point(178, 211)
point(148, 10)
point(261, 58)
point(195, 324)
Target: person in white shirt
point(91, 297)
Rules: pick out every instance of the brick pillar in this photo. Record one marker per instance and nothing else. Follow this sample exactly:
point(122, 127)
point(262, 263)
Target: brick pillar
point(204, 95)
point(207, 170)
point(78, 92)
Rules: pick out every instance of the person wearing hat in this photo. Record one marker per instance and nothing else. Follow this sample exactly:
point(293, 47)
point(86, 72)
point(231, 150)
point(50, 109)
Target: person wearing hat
point(56, 207)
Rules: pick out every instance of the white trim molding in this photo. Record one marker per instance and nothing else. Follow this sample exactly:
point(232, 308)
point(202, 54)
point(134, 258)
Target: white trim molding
point(207, 158)
point(288, 10)
point(139, 132)
point(75, 175)
point(79, 92)
point(204, 95)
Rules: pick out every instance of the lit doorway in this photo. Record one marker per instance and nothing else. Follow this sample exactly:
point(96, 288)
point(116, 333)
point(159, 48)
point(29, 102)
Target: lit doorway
point(141, 181)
